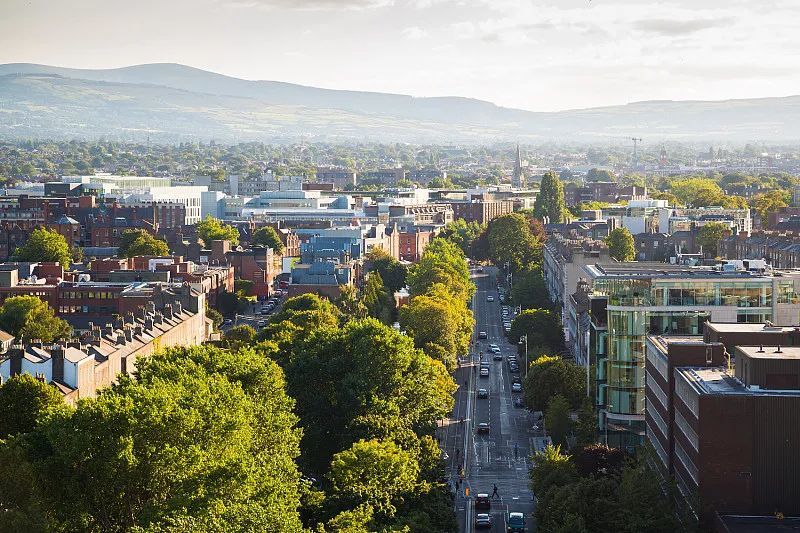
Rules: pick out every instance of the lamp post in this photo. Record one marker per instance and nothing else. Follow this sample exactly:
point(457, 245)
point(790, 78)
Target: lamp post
point(524, 338)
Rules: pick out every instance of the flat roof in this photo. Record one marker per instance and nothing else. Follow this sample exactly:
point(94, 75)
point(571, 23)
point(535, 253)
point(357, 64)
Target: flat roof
point(662, 341)
point(712, 380)
point(770, 352)
point(649, 269)
point(736, 327)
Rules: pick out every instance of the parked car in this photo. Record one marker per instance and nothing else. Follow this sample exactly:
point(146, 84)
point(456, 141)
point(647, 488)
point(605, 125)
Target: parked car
point(227, 322)
point(514, 368)
point(482, 335)
point(262, 323)
point(483, 427)
point(483, 393)
point(516, 387)
point(483, 521)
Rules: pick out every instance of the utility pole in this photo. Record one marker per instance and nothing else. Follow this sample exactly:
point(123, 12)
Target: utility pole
point(524, 338)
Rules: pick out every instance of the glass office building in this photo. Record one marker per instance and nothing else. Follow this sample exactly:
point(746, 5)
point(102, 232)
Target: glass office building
point(632, 300)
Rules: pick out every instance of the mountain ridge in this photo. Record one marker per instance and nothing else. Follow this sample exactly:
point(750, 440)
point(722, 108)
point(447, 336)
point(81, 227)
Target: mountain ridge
point(176, 102)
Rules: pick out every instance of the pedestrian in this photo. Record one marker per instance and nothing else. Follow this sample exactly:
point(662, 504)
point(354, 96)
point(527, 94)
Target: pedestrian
point(494, 492)
point(516, 450)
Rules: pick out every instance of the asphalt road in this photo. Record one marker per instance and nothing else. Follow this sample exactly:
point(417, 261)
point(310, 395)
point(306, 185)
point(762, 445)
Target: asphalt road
point(500, 457)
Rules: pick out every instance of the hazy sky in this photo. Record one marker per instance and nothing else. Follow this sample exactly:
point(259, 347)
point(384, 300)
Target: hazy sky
point(532, 54)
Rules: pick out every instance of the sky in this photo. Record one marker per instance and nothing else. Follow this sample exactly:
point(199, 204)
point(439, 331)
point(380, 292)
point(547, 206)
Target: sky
point(540, 55)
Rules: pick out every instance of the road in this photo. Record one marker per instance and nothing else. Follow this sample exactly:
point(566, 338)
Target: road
point(490, 459)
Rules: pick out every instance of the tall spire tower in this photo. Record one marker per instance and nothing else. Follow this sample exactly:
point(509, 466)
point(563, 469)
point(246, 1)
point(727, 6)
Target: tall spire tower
point(517, 179)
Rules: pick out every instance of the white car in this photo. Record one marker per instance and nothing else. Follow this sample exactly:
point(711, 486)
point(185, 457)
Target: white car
point(490, 298)
point(485, 372)
point(516, 387)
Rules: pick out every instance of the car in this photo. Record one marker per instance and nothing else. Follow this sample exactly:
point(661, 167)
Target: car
point(516, 387)
point(480, 269)
point(482, 335)
point(483, 521)
point(507, 325)
point(483, 393)
point(262, 323)
point(484, 372)
point(494, 349)
point(514, 369)
point(516, 379)
point(515, 523)
point(228, 322)
point(512, 359)
point(490, 298)
point(266, 310)
point(483, 427)
point(519, 402)
point(497, 356)
point(483, 502)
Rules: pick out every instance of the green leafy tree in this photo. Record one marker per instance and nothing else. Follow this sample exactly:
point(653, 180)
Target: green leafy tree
point(267, 236)
point(393, 272)
point(697, 192)
point(372, 472)
point(363, 381)
point(542, 327)
point(135, 242)
point(511, 241)
point(552, 376)
point(550, 200)
point(25, 400)
point(44, 245)
point(211, 229)
point(377, 300)
point(643, 504)
point(239, 336)
point(530, 291)
point(31, 318)
point(551, 469)
point(586, 427)
point(462, 234)
point(440, 324)
point(709, 235)
point(215, 316)
point(442, 262)
point(350, 302)
point(590, 503)
point(557, 420)
point(620, 245)
point(204, 438)
point(768, 203)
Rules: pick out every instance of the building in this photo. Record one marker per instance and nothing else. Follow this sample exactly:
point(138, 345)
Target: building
point(412, 242)
point(79, 367)
point(517, 177)
point(341, 178)
point(601, 191)
point(390, 177)
point(481, 207)
point(255, 185)
point(631, 300)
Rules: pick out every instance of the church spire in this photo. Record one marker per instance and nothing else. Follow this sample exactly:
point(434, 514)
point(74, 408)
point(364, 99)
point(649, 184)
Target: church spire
point(516, 180)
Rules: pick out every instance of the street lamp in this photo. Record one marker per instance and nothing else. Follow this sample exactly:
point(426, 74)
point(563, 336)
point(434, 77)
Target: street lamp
point(524, 338)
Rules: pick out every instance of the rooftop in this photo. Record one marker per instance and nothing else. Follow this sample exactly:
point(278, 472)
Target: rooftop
point(665, 270)
point(771, 352)
point(712, 380)
point(663, 341)
point(734, 327)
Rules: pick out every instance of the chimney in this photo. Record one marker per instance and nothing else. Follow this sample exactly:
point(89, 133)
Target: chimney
point(121, 338)
point(137, 330)
point(57, 360)
point(150, 308)
point(178, 308)
point(130, 318)
point(148, 323)
point(36, 343)
point(167, 311)
point(158, 318)
point(128, 331)
point(119, 322)
point(108, 331)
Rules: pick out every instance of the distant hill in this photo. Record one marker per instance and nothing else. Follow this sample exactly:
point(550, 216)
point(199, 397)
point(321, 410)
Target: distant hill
point(171, 102)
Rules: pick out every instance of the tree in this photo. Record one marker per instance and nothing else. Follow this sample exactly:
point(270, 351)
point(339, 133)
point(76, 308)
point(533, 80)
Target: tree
point(442, 262)
point(697, 192)
point(550, 200)
point(620, 245)
point(350, 302)
point(137, 242)
point(211, 229)
point(462, 234)
point(376, 298)
point(267, 236)
point(203, 439)
point(552, 376)
point(363, 381)
point(551, 469)
point(25, 400)
point(586, 427)
point(372, 472)
point(709, 235)
point(599, 460)
point(529, 289)
point(31, 318)
point(557, 420)
point(440, 324)
point(542, 327)
point(768, 203)
point(215, 316)
point(393, 272)
point(240, 336)
point(44, 245)
point(643, 503)
point(511, 241)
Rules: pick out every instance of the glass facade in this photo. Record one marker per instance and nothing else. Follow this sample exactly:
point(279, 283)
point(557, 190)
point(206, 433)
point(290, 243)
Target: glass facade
point(641, 306)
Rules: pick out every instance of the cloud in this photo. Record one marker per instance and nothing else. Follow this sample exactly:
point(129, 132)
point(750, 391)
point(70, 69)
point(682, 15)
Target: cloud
point(311, 5)
point(414, 33)
point(675, 28)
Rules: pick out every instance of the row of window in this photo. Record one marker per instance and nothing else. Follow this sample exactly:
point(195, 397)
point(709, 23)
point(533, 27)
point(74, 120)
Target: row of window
point(92, 295)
